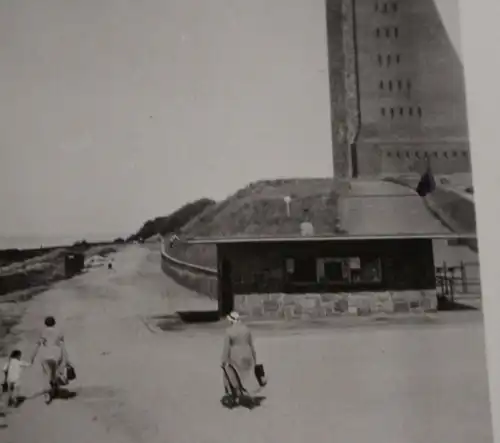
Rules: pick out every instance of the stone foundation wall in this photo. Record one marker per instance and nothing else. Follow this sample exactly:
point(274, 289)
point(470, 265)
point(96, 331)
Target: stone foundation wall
point(293, 306)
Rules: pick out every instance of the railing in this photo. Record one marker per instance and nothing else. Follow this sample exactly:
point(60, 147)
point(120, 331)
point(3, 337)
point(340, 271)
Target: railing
point(460, 281)
point(185, 265)
point(198, 278)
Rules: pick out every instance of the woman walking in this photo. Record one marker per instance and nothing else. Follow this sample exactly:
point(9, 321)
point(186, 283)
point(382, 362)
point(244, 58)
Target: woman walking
point(54, 357)
point(238, 357)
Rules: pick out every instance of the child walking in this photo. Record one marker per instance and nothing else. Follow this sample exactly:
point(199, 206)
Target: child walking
point(12, 376)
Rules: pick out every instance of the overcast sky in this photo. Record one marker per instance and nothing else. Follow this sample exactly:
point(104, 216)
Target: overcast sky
point(115, 111)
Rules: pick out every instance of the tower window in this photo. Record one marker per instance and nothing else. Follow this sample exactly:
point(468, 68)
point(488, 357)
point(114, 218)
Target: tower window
point(395, 7)
point(376, 6)
point(398, 154)
point(445, 154)
point(392, 112)
point(398, 59)
point(417, 154)
point(381, 85)
point(419, 111)
point(389, 154)
point(396, 32)
point(464, 153)
point(426, 154)
point(400, 85)
point(390, 85)
point(377, 32)
point(384, 8)
point(455, 154)
point(382, 112)
point(410, 111)
point(389, 60)
point(408, 84)
point(407, 154)
point(379, 59)
point(401, 112)
point(387, 32)
point(436, 154)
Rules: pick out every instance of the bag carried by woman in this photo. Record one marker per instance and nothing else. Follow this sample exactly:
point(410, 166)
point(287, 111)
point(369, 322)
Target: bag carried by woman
point(260, 375)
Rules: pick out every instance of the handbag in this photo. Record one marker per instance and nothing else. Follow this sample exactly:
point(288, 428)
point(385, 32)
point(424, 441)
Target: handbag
point(70, 372)
point(260, 375)
point(5, 385)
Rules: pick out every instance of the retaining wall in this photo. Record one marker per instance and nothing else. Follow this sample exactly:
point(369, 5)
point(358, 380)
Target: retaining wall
point(293, 306)
point(197, 278)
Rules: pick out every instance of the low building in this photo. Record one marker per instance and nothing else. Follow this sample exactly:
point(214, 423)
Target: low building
point(381, 261)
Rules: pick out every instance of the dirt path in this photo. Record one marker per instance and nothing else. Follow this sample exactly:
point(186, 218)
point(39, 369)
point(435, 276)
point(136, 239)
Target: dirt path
point(102, 314)
point(387, 385)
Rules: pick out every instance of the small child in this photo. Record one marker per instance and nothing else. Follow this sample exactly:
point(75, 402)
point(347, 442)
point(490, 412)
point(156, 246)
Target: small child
point(12, 375)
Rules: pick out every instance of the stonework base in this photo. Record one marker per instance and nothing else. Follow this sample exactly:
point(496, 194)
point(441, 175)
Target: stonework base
point(297, 306)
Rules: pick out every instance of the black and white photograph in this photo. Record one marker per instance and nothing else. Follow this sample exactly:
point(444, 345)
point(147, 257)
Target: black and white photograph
point(238, 221)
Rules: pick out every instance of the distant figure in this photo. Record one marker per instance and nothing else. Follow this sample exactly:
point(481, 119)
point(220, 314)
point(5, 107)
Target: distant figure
point(239, 356)
point(173, 239)
point(12, 376)
point(54, 356)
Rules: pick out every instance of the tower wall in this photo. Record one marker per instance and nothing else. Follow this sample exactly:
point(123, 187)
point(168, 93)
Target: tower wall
point(411, 90)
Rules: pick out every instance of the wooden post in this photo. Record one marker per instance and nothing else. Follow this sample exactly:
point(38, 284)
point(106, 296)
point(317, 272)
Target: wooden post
point(445, 278)
point(463, 272)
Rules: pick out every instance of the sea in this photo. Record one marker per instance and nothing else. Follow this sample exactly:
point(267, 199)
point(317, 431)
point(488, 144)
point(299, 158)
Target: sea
point(34, 241)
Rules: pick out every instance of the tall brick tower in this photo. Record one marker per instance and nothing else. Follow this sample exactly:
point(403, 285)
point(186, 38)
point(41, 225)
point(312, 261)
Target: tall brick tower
point(397, 89)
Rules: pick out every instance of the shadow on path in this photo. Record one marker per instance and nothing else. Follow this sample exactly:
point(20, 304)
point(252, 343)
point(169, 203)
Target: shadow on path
point(444, 304)
point(248, 402)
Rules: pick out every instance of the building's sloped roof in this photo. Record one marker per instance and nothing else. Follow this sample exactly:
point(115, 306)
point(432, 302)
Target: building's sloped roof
point(368, 209)
point(384, 208)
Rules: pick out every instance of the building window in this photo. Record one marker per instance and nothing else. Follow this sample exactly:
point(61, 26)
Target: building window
point(396, 32)
point(445, 154)
point(390, 85)
point(387, 32)
point(377, 32)
point(376, 6)
point(392, 112)
point(426, 154)
point(379, 59)
point(407, 154)
point(408, 85)
point(419, 111)
point(400, 85)
point(333, 270)
point(381, 85)
point(410, 111)
point(455, 154)
point(353, 270)
point(394, 7)
point(401, 112)
point(417, 154)
point(389, 154)
point(384, 8)
point(398, 59)
point(464, 154)
point(436, 154)
point(382, 112)
point(365, 270)
point(398, 154)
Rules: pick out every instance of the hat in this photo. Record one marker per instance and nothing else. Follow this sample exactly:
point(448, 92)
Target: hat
point(233, 317)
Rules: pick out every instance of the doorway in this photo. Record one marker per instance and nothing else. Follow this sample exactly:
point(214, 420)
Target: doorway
point(226, 299)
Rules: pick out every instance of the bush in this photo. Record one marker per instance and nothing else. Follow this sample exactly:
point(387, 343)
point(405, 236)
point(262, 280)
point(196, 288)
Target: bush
point(173, 222)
